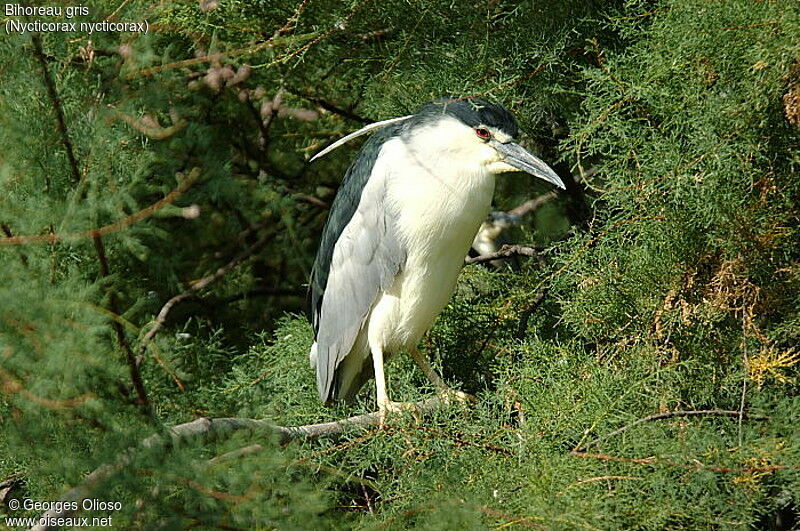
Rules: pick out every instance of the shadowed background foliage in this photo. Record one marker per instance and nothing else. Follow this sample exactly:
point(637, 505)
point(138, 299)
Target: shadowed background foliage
point(134, 166)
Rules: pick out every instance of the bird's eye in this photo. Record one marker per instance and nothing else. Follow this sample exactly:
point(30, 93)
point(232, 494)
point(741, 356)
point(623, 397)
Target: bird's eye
point(482, 133)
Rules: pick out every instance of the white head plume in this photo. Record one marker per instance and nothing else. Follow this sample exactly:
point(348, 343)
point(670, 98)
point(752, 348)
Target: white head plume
point(364, 130)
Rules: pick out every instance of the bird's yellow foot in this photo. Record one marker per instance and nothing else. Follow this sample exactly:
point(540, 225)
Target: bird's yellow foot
point(448, 396)
point(395, 408)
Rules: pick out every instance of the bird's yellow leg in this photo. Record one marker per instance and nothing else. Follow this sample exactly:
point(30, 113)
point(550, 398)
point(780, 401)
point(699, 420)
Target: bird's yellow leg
point(447, 393)
point(386, 406)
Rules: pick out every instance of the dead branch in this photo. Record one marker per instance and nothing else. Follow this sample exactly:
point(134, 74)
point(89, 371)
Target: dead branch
point(123, 223)
point(206, 429)
point(533, 204)
point(196, 287)
point(506, 251)
point(669, 415)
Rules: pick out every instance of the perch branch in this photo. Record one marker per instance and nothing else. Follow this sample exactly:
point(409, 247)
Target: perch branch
point(208, 429)
point(669, 415)
point(505, 251)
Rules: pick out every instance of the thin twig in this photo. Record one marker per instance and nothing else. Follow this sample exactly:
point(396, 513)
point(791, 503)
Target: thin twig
point(122, 340)
point(746, 363)
point(652, 461)
point(328, 106)
point(207, 429)
point(236, 454)
point(10, 234)
point(522, 329)
point(283, 30)
point(523, 521)
point(123, 223)
point(196, 287)
point(57, 109)
point(533, 204)
point(669, 415)
point(506, 251)
point(604, 478)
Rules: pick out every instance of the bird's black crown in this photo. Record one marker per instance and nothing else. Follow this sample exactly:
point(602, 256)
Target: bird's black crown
point(473, 112)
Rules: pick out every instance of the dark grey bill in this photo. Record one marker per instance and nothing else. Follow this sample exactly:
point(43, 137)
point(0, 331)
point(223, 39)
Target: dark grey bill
point(516, 156)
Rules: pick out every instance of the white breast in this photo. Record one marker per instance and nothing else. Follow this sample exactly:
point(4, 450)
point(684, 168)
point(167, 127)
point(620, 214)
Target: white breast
point(439, 207)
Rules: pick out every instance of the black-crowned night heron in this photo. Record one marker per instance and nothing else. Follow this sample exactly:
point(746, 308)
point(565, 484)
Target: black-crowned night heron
point(396, 236)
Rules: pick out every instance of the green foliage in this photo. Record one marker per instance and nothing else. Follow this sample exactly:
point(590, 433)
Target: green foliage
point(680, 290)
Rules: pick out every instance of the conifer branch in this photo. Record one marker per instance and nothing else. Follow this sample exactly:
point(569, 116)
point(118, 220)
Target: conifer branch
point(57, 109)
point(329, 106)
point(669, 415)
point(123, 223)
point(522, 328)
point(652, 461)
point(122, 340)
point(205, 429)
point(287, 28)
point(196, 287)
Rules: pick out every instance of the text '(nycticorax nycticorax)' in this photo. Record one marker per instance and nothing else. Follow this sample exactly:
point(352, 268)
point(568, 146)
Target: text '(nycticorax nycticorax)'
point(396, 236)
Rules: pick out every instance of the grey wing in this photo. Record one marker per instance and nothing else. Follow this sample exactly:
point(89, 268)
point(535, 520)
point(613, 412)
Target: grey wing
point(366, 258)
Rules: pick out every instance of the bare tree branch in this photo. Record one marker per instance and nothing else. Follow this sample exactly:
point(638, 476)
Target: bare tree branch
point(8, 486)
point(203, 429)
point(328, 106)
point(533, 204)
point(505, 251)
point(149, 126)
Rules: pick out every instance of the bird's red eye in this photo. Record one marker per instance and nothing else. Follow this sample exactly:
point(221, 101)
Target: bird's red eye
point(482, 133)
